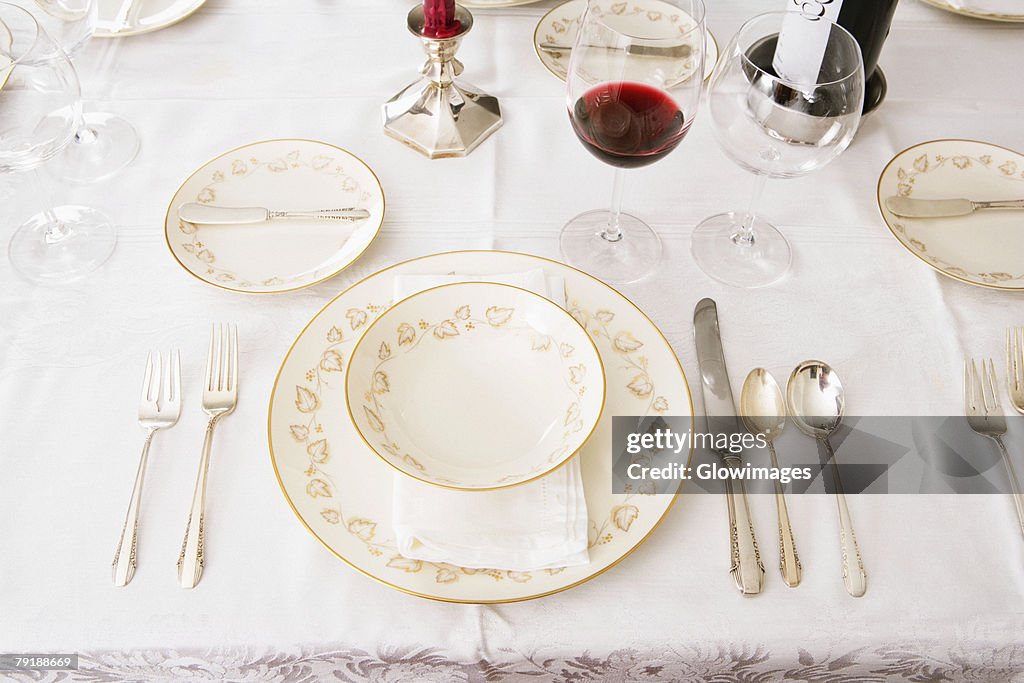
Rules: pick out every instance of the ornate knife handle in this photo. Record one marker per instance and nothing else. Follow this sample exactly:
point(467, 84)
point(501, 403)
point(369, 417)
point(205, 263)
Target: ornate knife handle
point(1004, 204)
point(191, 560)
point(747, 569)
point(324, 214)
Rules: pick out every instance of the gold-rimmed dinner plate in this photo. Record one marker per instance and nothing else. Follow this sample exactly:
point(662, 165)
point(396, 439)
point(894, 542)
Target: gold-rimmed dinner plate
point(475, 386)
point(981, 11)
point(651, 17)
point(143, 16)
point(341, 491)
point(984, 248)
point(276, 255)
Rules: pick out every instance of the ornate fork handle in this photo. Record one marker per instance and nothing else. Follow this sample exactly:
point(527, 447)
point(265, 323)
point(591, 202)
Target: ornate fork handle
point(746, 567)
point(190, 561)
point(855, 577)
point(125, 554)
point(1018, 497)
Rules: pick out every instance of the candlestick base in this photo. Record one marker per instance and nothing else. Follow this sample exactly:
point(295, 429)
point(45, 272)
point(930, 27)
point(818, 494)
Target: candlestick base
point(439, 115)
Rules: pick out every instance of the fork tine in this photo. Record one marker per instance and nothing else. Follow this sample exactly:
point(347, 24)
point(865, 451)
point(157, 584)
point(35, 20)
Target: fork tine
point(154, 394)
point(225, 345)
point(990, 387)
point(968, 407)
point(234, 358)
point(975, 386)
point(176, 376)
point(208, 383)
point(148, 378)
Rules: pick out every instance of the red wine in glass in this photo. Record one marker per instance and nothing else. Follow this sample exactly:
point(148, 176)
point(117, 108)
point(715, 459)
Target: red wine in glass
point(628, 125)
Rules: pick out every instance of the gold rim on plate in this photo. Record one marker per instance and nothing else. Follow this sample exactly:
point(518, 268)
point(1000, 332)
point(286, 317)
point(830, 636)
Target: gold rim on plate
point(537, 41)
point(433, 482)
point(974, 14)
point(376, 233)
point(277, 473)
point(935, 266)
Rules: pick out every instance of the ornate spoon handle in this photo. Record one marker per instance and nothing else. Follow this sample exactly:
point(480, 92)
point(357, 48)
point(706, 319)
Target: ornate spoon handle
point(855, 578)
point(789, 560)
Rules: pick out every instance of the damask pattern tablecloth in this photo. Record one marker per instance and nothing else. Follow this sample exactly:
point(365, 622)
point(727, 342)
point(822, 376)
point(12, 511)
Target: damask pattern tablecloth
point(946, 593)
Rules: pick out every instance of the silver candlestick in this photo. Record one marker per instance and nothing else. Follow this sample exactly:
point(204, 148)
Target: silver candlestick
point(437, 114)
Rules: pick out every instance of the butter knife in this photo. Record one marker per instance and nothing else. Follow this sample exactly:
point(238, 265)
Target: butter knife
point(746, 566)
point(674, 51)
point(944, 208)
point(206, 214)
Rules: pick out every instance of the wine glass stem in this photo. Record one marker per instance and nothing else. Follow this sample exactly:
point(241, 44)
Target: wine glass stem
point(745, 235)
point(55, 229)
point(613, 233)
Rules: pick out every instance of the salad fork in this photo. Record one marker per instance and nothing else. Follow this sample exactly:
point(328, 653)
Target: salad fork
point(220, 394)
point(159, 408)
point(985, 416)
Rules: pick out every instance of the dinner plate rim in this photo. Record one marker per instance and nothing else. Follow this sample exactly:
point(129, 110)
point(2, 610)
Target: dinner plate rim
point(298, 515)
point(540, 57)
point(149, 29)
point(572, 452)
point(975, 14)
point(193, 174)
point(888, 224)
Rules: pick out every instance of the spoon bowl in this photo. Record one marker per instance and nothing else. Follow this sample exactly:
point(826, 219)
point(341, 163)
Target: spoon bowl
point(762, 405)
point(816, 399)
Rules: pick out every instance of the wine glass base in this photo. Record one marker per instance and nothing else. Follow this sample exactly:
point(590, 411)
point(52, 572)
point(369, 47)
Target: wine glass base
point(48, 252)
point(763, 261)
point(631, 258)
point(104, 146)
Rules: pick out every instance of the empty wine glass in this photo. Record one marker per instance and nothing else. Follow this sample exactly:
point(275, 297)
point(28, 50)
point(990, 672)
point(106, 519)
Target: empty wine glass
point(104, 143)
point(39, 108)
point(775, 127)
point(633, 90)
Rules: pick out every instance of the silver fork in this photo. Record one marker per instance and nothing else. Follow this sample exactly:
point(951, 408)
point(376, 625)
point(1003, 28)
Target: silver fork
point(220, 394)
point(985, 416)
point(159, 408)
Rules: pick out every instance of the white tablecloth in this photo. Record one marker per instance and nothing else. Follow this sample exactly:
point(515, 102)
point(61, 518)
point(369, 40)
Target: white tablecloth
point(946, 574)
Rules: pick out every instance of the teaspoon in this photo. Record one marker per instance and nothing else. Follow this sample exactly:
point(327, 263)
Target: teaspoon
point(763, 409)
point(817, 403)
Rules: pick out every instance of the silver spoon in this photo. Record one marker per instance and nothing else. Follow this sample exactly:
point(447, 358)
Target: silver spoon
point(763, 409)
point(817, 404)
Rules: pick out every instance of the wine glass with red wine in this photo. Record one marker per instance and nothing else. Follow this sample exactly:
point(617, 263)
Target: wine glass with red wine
point(634, 86)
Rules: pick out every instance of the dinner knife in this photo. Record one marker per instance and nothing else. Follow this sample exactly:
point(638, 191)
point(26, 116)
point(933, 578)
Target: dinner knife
point(675, 51)
point(206, 214)
point(908, 207)
point(746, 566)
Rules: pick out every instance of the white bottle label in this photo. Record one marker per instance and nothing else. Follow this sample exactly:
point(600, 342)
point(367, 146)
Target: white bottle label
point(804, 39)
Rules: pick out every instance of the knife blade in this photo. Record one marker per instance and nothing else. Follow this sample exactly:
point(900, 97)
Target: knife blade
point(720, 409)
point(206, 214)
point(674, 51)
point(908, 207)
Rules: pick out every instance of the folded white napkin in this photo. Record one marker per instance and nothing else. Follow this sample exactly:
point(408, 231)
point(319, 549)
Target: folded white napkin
point(538, 525)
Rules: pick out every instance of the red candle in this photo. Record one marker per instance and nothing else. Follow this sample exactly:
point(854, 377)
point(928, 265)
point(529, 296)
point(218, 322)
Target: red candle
point(439, 19)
